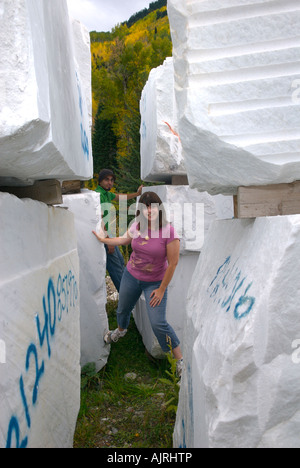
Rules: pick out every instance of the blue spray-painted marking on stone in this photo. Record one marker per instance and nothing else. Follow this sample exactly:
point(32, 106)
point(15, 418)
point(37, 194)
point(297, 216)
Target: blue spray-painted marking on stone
point(183, 445)
point(83, 132)
point(226, 288)
point(56, 301)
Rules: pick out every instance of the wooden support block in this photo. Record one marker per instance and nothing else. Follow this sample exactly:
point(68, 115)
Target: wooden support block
point(269, 200)
point(180, 180)
point(71, 186)
point(235, 206)
point(45, 191)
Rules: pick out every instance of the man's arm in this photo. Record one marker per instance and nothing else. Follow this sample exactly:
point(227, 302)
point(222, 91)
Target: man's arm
point(130, 196)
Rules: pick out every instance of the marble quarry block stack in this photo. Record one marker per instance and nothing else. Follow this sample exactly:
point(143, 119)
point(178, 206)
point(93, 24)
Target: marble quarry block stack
point(236, 77)
point(45, 98)
point(191, 213)
point(161, 150)
point(86, 209)
point(45, 133)
point(236, 80)
point(240, 387)
point(39, 325)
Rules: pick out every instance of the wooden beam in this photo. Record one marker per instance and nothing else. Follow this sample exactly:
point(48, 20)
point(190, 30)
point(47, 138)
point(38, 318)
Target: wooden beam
point(235, 206)
point(268, 200)
point(45, 191)
point(71, 186)
point(180, 180)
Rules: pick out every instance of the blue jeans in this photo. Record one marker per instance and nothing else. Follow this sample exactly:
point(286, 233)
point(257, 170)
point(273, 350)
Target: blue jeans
point(115, 266)
point(130, 292)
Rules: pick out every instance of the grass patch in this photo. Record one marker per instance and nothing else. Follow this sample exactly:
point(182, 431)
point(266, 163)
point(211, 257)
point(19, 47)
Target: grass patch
point(121, 413)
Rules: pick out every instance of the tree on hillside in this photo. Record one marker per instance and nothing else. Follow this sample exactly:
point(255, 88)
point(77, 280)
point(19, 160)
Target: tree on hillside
point(129, 172)
point(104, 144)
point(143, 13)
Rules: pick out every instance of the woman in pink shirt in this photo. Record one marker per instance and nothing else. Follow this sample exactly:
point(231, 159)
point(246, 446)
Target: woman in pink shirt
point(150, 269)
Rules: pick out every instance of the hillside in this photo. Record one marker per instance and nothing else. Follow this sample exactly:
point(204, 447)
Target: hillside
point(121, 62)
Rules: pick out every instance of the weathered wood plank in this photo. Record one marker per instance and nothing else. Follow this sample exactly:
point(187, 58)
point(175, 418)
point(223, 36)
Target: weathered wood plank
point(71, 186)
point(180, 180)
point(269, 200)
point(45, 191)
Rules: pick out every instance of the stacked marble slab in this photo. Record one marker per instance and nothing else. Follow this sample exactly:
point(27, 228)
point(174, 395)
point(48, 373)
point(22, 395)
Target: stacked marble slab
point(240, 387)
point(86, 209)
point(236, 76)
point(39, 325)
point(45, 98)
point(236, 68)
point(161, 150)
point(45, 122)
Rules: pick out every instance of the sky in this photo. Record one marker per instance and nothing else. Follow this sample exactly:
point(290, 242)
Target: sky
point(103, 15)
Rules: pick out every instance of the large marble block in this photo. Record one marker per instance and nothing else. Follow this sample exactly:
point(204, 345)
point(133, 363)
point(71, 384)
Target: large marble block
point(39, 325)
point(240, 386)
point(82, 55)
point(45, 87)
point(86, 209)
point(161, 150)
point(237, 89)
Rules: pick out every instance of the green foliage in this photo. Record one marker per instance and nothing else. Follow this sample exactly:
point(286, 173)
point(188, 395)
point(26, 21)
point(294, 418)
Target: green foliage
point(104, 144)
point(172, 384)
point(89, 376)
point(154, 6)
point(129, 175)
point(100, 36)
point(141, 14)
point(121, 413)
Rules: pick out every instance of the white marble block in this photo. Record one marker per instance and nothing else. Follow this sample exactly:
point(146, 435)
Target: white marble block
point(177, 294)
point(82, 55)
point(240, 387)
point(237, 85)
point(39, 325)
point(192, 212)
point(161, 150)
point(92, 259)
point(45, 88)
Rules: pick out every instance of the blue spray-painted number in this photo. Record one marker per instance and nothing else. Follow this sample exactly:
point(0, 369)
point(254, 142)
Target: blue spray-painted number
point(84, 142)
point(183, 444)
point(56, 301)
point(14, 429)
point(84, 138)
point(226, 287)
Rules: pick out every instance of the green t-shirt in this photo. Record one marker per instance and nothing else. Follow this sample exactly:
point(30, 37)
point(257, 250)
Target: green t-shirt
point(106, 198)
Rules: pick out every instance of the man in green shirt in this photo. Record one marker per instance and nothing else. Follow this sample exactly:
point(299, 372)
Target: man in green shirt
point(115, 262)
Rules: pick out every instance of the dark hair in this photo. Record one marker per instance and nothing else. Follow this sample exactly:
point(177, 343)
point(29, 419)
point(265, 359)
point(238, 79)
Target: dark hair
point(148, 199)
point(104, 173)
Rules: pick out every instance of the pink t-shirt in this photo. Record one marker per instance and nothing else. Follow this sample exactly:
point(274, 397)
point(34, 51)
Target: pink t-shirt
point(148, 261)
